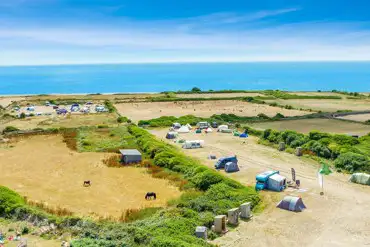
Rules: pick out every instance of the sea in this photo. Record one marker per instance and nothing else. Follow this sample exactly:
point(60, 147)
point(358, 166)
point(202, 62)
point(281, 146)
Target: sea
point(135, 78)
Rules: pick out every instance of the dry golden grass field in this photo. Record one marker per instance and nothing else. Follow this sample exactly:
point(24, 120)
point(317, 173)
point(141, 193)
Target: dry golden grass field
point(218, 95)
point(68, 121)
point(326, 105)
point(357, 117)
point(45, 170)
point(149, 110)
point(323, 125)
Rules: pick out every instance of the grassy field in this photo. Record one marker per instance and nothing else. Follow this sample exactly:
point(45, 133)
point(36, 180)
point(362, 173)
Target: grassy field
point(45, 170)
point(103, 140)
point(326, 105)
point(307, 125)
point(150, 110)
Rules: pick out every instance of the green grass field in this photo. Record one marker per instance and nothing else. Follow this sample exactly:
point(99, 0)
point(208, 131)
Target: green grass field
point(105, 139)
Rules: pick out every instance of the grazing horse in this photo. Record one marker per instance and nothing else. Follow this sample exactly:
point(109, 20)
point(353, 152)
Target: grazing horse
point(150, 195)
point(87, 183)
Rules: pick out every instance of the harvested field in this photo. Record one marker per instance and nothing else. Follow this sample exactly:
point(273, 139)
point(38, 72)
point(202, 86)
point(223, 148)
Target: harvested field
point(317, 94)
point(357, 117)
point(323, 125)
point(218, 95)
point(44, 169)
point(149, 110)
point(5, 101)
point(89, 96)
point(68, 121)
point(326, 105)
point(339, 218)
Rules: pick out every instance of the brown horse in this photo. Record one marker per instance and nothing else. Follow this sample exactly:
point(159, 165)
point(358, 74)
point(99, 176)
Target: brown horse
point(87, 183)
point(150, 195)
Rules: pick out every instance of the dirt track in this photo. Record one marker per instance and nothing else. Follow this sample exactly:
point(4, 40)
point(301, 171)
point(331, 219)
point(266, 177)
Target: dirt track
point(339, 218)
point(44, 169)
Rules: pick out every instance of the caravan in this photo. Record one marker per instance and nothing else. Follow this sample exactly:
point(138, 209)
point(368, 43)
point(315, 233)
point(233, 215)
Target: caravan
point(193, 144)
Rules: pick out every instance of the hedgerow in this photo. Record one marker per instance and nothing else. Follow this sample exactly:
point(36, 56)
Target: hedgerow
point(284, 95)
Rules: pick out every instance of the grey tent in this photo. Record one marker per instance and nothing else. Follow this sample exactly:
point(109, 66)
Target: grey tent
point(292, 203)
point(360, 178)
point(171, 135)
point(130, 156)
point(231, 167)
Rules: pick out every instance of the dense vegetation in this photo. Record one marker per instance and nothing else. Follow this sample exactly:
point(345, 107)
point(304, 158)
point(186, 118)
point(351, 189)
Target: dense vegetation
point(104, 139)
point(349, 153)
point(284, 95)
point(199, 91)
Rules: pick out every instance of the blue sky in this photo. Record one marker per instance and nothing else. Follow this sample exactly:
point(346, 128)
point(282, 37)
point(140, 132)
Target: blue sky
point(137, 31)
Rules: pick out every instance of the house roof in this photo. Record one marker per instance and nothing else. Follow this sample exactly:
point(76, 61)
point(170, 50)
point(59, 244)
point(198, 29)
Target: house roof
point(129, 152)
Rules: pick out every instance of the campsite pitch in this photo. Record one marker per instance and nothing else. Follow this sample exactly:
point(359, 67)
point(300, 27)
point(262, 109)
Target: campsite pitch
point(339, 218)
point(44, 169)
point(150, 110)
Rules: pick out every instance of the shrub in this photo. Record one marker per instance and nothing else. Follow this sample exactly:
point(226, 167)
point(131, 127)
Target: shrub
point(263, 116)
point(22, 115)
point(10, 129)
point(353, 162)
point(316, 135)
point(121, 119)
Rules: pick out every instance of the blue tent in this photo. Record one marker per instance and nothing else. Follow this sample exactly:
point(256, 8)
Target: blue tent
point(243, 135)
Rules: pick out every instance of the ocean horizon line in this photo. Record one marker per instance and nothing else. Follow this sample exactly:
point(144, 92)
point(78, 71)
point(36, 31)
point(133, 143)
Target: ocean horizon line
point(184, 62)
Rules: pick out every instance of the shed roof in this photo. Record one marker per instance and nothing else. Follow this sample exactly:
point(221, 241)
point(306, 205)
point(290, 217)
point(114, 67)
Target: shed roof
point(129, 152)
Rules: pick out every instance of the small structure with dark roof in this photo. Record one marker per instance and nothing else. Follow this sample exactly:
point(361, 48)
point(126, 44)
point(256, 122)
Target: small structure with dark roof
point(130, 156)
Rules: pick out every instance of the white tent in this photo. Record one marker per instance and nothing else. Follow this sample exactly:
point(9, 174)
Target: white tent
point(183, 129)
point(222, 127)
point(276, 182)
point(189, 126)
point(360, 178)
point(209, 130)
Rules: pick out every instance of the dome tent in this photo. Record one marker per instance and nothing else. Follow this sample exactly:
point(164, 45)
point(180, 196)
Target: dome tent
point(222, 127)
point(360, 178)
point(189, 126)
point(231, 167)
point(292, 203)
point(171, 135)
point(183, 129)
point(209, 130)
point(243, 135)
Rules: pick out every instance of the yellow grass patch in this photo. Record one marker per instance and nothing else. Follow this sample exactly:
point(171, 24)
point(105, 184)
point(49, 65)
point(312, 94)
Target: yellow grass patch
point(45, 170)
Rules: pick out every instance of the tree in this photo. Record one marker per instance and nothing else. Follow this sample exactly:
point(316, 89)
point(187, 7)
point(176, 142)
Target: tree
point(196, 90)
point(23, 115)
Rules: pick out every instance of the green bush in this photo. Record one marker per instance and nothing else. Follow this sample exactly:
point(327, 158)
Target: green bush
point(10, 129)
point(353, 162)
point(121, 119)
point(22, 115)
